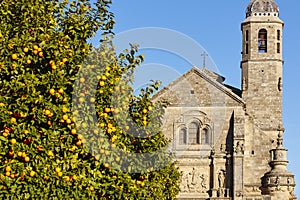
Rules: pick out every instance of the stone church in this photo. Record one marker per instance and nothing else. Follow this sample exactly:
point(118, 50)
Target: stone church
point(229, 141)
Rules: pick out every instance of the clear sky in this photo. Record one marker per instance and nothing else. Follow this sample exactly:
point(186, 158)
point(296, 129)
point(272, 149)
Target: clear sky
point(215, 25)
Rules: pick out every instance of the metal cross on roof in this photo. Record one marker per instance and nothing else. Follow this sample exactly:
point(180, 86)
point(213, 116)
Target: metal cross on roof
point(204, 54)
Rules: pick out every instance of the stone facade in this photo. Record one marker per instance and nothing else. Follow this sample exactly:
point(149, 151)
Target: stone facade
point(228, 141)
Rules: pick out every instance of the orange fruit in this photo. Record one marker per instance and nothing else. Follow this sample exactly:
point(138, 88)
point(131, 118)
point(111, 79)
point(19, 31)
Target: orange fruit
point(78, 143)
point(53, 67)
point(81, 80)
point(41, 54)
point(35, 47)
point(102, 83)
point(47, 112)
point(65, 117)
point(64, 109)
point(102, 125)
point(8, 169)
point(27, 159)
point(50, 153)
point(92, 100)
point(25, 49)
point(73, 131)
point(51, 91)
point(74, 177)
point(51, 62)
point(79, 137)
point(60, 91)
point(13, 120)
point(32, 173)
point(11, 153)
point(57, 169)
point(14, 56)
point(59, 173)
point(64, 60)
point(67, 178)
point(13, 141)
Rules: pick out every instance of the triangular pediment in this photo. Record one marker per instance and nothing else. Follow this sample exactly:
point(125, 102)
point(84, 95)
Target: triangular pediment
point(201, 88)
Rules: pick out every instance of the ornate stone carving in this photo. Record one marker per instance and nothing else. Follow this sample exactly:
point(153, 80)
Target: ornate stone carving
point(238, 120)
point(193, 181)
point(279, 179)
point(203, 182)
point(239, 148)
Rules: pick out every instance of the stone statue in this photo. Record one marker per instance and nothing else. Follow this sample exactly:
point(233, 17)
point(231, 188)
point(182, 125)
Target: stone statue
point(203, 181)
point(277, 182)
point(192, 180)
point(185, 182)
point(239, 148)
point(221, 179)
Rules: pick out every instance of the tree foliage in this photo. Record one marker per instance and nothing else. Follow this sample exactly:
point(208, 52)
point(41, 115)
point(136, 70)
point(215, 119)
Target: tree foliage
point(71, 126)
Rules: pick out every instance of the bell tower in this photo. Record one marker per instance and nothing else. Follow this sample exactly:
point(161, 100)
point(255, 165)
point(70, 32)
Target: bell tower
point(262, 64)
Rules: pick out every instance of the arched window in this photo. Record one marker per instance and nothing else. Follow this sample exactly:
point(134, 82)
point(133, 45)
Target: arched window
point(182, 136)
point(262, 41)
point(194, 133)
point(205, 136)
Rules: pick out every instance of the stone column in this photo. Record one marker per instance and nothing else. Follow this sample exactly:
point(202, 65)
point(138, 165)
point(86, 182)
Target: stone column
point(238, 169)
point(212, 175)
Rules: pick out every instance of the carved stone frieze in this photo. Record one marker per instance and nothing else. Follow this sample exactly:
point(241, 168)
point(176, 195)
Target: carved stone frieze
point(193, 181)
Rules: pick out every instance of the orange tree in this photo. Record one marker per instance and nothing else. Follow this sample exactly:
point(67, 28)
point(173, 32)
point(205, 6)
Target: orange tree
point(70, 124)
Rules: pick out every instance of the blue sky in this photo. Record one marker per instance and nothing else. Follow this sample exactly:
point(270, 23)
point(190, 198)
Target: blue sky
point(215, 25)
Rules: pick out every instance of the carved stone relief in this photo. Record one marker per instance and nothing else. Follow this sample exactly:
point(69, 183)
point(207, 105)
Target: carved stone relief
point(193, 181)
point(239, 148)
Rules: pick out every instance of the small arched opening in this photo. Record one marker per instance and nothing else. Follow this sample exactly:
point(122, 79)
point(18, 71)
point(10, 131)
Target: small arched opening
point(205, 136)
point(262, 41)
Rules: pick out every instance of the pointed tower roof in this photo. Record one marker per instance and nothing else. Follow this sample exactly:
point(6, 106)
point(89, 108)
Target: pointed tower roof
point(262, 7)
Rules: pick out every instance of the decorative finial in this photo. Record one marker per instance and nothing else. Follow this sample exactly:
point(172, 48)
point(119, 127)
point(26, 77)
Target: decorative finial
point(280, 139)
